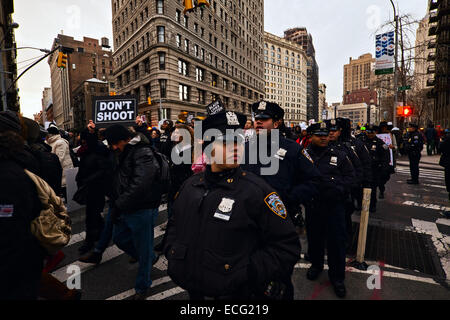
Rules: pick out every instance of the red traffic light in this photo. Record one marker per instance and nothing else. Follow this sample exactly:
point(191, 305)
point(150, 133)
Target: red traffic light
point(407, 111)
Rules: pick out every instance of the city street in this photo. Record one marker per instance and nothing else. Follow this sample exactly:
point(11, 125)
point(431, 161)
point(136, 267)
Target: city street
point(414, 261)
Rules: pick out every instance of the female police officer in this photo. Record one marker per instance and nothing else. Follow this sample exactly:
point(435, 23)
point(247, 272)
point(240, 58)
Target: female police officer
point(229, 236)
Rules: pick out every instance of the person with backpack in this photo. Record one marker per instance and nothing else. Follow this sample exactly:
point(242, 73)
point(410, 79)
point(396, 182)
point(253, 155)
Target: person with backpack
point(135, 199)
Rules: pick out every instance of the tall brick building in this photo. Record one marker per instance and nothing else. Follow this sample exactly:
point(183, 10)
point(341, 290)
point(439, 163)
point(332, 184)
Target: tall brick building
point(286, 77)
point(184, 62)
point(89, 59)
point(304, 39)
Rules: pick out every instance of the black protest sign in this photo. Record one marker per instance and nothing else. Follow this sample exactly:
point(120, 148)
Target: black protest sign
point(215, 108)
point(115, 110)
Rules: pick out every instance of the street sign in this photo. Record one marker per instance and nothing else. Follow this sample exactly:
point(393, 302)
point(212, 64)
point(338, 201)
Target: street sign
point(404, 88)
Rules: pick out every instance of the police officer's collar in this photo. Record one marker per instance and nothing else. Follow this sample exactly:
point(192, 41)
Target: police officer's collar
point(226, 179)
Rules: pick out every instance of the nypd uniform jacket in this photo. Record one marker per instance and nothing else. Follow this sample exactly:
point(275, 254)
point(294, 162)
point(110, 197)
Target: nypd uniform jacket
point(337, 172)
point(379, 153)
point(229, 235)
point(414, 143)
point(296, 180)
point(366, 162)
point(346, 148)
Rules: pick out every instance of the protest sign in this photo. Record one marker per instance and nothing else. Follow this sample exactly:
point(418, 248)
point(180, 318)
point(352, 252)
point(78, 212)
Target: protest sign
point(114, 110)
point(387, 139)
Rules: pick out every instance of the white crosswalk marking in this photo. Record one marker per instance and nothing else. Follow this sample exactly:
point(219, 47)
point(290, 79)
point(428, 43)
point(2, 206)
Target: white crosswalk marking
point(131, 292)
point(166, 294)
point(110, 253)
point(423, 173)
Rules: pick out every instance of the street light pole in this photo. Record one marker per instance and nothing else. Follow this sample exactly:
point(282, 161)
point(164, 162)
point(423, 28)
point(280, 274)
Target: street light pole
point(394, 113)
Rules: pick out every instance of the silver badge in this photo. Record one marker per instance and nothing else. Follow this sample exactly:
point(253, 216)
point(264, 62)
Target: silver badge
point(262, 106)
point(281, 154)
point(226, 205)
point(232, 119)
point(333, 161)
point(323, 125)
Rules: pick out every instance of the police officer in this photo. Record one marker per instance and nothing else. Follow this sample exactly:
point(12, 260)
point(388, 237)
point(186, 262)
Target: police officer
point(363, 154)
point(379, 153)
point(296, 179)
point(338, 143)
point(414, 147)
point(229, 236)
point(325, 216)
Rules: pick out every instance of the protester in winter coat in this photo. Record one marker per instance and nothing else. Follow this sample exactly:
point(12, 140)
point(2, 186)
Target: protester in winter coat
point(21, 255)
point(60, 147)
point(135, 200)
point(94, 176)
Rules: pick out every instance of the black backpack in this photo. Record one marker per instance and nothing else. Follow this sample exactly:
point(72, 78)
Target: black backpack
point(165, 172)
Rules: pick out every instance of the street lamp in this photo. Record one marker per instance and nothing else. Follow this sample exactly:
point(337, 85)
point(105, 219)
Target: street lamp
point(394, 112)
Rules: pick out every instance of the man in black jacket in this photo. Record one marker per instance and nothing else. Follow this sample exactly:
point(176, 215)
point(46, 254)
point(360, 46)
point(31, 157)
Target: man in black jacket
point(136, 197)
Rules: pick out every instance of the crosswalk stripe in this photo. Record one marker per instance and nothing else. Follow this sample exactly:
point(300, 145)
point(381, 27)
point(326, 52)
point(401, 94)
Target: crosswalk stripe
point(166, 294)
point(76, 238)
point(426, 206)
point(132, 292)
point(109, 254)
point(385, 273)
point(424, 174)
point(443, 221)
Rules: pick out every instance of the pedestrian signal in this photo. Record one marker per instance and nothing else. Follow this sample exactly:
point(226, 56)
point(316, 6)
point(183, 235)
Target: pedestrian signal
point(407, 111)
point(149, 100)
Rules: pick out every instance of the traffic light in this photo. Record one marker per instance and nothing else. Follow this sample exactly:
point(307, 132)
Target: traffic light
point(149, 100)
point(407, 111)
point(62, 60)
point(188, 6)
point(202, 3)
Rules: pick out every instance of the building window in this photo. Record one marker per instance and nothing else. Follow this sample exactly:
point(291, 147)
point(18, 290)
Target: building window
point(178, 39)
point(184, 92)
point(186, 45)
point(160, 6)
point(178, 16)
point(183, 68)
point(214, 79)
point(147, 66)
point(163, 88)
point(201, 96)
point(199, 74)
point(161, 34)
point(162, 60)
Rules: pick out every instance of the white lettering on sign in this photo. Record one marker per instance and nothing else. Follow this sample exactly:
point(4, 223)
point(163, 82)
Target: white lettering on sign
point(115, 111)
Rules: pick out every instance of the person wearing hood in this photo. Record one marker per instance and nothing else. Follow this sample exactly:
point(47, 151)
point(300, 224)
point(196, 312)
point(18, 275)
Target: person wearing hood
point(60, 147)
point(135, 200)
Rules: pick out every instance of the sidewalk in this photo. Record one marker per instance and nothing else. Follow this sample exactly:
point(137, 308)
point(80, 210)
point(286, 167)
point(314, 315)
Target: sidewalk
point(426, 162)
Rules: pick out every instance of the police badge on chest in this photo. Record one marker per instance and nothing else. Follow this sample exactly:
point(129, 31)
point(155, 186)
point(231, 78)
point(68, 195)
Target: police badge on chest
point(333, 161)
point(225, 209)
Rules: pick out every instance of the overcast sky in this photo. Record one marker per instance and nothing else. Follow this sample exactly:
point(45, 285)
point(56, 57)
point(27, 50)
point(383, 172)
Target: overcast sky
point(340, 29)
